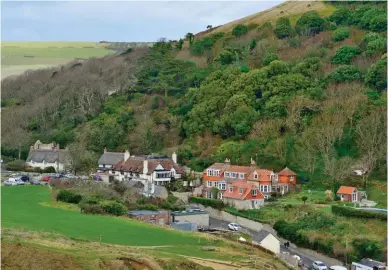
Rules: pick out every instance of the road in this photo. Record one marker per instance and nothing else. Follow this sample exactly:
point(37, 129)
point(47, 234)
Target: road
point(220, 224)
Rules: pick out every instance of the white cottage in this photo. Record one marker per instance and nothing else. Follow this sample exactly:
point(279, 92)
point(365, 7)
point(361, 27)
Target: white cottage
point(47, 155)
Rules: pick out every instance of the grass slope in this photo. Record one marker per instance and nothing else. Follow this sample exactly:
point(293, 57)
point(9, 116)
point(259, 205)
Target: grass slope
point(21, 209)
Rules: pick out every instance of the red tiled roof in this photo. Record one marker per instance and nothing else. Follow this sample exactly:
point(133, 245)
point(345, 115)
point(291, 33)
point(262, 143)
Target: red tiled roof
point(286, 172)
point(246, 194)
point(346, 190)
point(264, 175)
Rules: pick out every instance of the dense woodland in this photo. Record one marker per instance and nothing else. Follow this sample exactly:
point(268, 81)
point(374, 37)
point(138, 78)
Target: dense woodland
point(309, 94)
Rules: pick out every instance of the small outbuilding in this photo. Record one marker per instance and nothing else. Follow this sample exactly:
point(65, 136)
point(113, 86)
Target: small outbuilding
point(267, 240)
point(368, 264)
point(184, 226)
point(161, 218)
point(349, 194)
point(195, 216)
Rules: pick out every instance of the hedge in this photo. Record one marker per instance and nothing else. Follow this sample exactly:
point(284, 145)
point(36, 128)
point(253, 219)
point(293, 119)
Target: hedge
point(68, 196)
point(351, 212)
point(217, 204)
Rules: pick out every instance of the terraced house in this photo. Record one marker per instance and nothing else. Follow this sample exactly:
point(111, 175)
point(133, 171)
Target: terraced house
point(245, 183)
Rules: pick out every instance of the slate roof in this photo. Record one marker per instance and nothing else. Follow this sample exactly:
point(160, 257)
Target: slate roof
point(261, 235)
point(49, 156)
point(142, 212)
point(110, 158)
point(371, 263)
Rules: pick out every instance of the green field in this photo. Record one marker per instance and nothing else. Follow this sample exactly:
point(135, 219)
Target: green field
point(17, 57)
point(21, 210)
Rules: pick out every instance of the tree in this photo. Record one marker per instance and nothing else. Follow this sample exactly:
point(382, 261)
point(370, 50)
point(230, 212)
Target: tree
point(309, 24)
point(239, 30)
point(190, 37)
point(340, 34)
point(269, 58)
point(80, 159)
point(345, 54)
point(345, 73)
point(179, 44)
point(209, 27)
point(304, 199)
point(376, 76)
point(340, 16)
point(283, 28)
point(371, 140)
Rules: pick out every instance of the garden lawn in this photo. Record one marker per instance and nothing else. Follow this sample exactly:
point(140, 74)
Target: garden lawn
point(21, 209)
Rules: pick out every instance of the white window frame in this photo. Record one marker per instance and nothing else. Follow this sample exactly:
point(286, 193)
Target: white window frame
point(209, 194)
point(220, 195)
point(256, 176)
point(227, 174)
point(254, 192)
point(241, 175)
point(291, 178)
point(209, 184)
point(222, 186)
point(240, 190)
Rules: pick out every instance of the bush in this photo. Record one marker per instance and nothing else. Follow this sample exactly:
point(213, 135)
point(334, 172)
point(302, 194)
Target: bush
point(366, 248)
point(119, 187)
point(340, 34)
point(91, 208)
point(269, 58)
point(113, 208)
point(16, 165)
point(294, 43)
point(345, 73)
point(351, 212)
point(283, 28)
point(330, 26)
point(239, 30)
point(68, 196)
point(226, 57)
point(376, 46)
point(345, 54)
point(340, 15)
point(150, 207)
point(50, 169)
point(217, 204)
point(376, 76)
point(309, 24)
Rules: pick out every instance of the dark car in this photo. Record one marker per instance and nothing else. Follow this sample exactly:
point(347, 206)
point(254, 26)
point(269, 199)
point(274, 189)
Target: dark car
point(25, 178)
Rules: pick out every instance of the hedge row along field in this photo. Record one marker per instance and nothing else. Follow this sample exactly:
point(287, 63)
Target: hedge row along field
point(351, 212)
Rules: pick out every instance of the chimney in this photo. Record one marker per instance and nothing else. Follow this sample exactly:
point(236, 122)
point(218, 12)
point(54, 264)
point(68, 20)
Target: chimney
point(253, 163)
point(126, 155)
point(174, 157)
point(227, 162)
point(31, 147)
point(145, 166)
point(104, 149)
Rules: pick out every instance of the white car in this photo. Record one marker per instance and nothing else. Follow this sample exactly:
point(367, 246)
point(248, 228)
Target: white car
point(19, 181)
point(234, 226)
point(337, 267)
point(318, 265)
point(10, 182)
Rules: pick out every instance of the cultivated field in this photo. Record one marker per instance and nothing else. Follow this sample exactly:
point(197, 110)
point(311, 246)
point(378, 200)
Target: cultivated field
point(17, 57)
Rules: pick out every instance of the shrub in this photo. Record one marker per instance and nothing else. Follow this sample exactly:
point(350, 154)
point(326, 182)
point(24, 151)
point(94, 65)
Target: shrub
point(376, 76)
point(283, 28)
point(378, 23)
point(217, 204)
point(269, 58)
point(113, 208)
point(226, 57)
point(91, 208)
point(376, 46)
point(217, 35)
point(351, 212)
point(16, 165)
point(50, 169)
point(340, 34)
point(345, 73)
point(330, 26)
point(340, 15)
point(309, 24)
point(119, 187)
point(239, 30)
point(68, 196)
point(148, 207)
point(366, 248)
point(294, 43)
point(345, 54)
point(172, 199)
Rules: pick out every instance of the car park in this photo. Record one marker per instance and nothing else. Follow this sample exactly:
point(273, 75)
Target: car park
point(234, 226)
point(318, 265)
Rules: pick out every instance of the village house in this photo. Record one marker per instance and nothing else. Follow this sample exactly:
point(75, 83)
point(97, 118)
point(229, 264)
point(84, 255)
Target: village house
point(268, 241)
point(227, 179)
point(108, 160)
point(349, 194)
point(243, 195)
point(47, 155)
point(150, 170)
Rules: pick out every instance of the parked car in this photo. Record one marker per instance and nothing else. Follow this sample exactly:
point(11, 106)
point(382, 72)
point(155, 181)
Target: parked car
point(10, 182)
point(318, 265)
point(337, 267)
point(69, 175)
point(19, 181)
point(25, 178)
point(46, 178)
point(35, 182)
point(234, 226)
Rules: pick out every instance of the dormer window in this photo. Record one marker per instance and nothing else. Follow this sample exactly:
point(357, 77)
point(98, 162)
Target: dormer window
point(211, 172)
point(240, 190)
point(254, 192)
point(256, 176)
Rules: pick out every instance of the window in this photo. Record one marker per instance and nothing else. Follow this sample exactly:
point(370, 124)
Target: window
point(254, 192)
point(209, 183)
point(230, 189)
point(291, 178)
point(227, 174)
point(222, 186)
point(240, 190)
point(256, 176)
point(264, 188)
point(209, 194)
point(234, 175)
point(220, 195)
point(241, 176)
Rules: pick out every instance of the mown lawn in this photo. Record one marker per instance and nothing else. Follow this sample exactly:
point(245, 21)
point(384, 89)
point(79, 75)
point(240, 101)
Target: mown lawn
point(21, 208)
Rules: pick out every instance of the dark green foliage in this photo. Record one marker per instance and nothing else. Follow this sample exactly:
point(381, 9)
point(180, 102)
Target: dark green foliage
point(252, 45)
point(304, 199)
point(379, 23)
point(294, 43)
point(217, 36)
point(345, 73)
point(309, 67)
point(340, 16)
point(201, 45)
point(366, 248)
point(374, 19)
point(283, 28)
point(340, 34)
point(16, 165)
point(269, 58)
point(310, 24)
point(50, 169)
point(113, 208)
point(345, 54)
point(351, 212)
point(240, 30)
point(376, 46)
point(179, 44)
point(91, 208)
point(217, 204)
point(68, 196)
point(226, 57)
point(376, 76)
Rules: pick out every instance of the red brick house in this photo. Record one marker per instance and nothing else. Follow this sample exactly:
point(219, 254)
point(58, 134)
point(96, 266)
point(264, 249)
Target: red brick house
point(349, 194)
point(222, 175)
point(243, 195)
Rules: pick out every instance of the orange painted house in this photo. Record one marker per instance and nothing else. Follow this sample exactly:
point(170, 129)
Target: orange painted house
point(349, 194)
point(222, 175)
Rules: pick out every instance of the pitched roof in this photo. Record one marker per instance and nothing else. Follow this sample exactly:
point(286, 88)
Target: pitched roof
point(135, 164)
point(264, 175)
point(260, 235)
point(286, 172)
point(110, 158)
point(247, 189)
point(239, 169)
point(49, 156)
point(346, 190)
